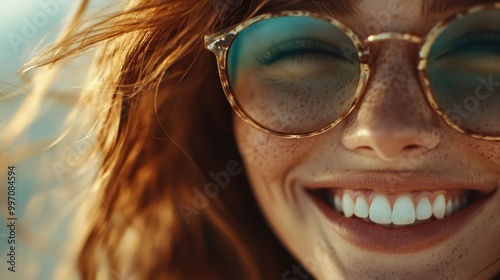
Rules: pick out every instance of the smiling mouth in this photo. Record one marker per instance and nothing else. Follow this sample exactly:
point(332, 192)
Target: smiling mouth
point(401, 210)
point(398, 218)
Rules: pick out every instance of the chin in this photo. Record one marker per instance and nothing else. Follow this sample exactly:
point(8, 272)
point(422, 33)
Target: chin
point(357, 227)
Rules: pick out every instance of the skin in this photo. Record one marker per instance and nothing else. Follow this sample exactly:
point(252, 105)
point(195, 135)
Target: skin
point(392, 129)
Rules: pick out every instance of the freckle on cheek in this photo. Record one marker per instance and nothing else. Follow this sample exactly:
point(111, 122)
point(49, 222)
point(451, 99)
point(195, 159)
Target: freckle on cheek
point(488, 150)
point(268, 153)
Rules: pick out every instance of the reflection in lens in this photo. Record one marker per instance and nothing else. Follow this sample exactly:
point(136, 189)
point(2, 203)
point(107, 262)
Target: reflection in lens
point(293, 74)
point(464, 72)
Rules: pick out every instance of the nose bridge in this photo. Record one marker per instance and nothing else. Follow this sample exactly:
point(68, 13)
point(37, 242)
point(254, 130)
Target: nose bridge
point(398, 36)
point(393, 93)
point(388, 36)
point(393, 119)
point(394, 80)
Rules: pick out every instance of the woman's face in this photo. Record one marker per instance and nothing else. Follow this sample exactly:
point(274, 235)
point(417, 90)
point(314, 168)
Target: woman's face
point(392, 151)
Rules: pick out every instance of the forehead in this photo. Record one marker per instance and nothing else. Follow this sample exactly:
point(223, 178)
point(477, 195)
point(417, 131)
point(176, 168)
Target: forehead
point(367, 17)
point(347, 8)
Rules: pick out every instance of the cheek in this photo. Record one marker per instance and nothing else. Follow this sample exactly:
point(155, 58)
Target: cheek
point(265, 155)
point(488, 151)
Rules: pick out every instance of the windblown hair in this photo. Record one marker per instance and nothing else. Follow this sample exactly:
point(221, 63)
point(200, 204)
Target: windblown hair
point(163, 125)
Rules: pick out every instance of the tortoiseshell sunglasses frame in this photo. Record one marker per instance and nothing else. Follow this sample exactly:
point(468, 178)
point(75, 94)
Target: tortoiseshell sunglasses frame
point(220, 44)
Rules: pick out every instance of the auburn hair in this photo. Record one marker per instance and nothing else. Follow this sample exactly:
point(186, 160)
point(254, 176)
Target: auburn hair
point(163, 126)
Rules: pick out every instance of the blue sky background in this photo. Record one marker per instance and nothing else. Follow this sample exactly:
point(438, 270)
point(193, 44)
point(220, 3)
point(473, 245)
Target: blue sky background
point(23, 24)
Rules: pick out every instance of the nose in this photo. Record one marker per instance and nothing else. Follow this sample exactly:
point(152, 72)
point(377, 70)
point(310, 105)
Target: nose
point(393, 120)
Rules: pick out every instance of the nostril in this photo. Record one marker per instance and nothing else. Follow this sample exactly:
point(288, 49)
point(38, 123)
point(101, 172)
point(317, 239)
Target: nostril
point(411, 147)
point(390, 143)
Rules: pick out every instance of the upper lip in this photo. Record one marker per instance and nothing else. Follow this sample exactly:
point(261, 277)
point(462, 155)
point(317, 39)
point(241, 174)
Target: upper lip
point(401, 182)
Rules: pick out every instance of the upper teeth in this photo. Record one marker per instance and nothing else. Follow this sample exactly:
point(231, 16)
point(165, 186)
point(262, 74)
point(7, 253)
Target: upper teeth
point(377, 207)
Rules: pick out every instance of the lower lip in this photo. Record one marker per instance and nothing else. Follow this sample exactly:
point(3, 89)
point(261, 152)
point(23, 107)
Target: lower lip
point(373, 237)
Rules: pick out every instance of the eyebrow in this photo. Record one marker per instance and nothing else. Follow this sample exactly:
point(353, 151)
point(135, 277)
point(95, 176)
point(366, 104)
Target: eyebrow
point(333, 7)
point(430, 7)
point(350, 7)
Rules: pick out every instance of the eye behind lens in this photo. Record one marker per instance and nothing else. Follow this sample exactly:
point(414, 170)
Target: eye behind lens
point(476, 44)
point(293, 74)
point(463, 70)
point(300, 48)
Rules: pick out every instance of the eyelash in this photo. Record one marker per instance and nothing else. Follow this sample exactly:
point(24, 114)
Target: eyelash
point(297, 50)
point(468, 42)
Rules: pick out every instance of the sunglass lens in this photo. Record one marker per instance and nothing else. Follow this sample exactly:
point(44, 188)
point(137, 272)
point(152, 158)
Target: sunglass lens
point(293, 74)
point(464, 72)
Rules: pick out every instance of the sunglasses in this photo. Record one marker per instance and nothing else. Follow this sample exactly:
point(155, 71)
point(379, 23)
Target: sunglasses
point(297, 74)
